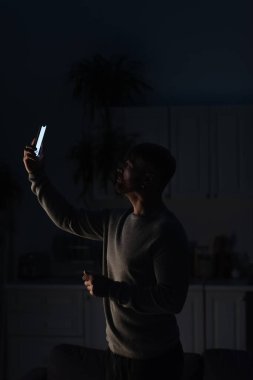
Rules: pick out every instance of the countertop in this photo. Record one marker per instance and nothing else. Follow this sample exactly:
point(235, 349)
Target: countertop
point(76, 282)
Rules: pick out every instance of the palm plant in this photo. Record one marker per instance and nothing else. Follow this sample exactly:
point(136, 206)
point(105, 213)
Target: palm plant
point(100, 84)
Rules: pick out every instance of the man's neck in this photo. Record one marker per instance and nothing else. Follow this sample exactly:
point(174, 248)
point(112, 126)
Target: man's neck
point(145, 205)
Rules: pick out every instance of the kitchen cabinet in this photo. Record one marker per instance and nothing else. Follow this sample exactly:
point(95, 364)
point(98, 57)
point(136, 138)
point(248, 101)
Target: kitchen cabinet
point(212, 146)
point(225, 318)
point(190, 145)
point(213, 149)
point(146, 124)
point(245, 125)
point(214, 317)
point(40, 317)
point(191, 321)
point(225, 151)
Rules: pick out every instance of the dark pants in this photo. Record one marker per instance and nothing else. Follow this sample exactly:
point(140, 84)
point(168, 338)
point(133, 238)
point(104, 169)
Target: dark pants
point(168, 366)
point(71, 362)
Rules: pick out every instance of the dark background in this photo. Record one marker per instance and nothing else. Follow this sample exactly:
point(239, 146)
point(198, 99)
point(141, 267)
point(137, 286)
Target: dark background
point(194, 52)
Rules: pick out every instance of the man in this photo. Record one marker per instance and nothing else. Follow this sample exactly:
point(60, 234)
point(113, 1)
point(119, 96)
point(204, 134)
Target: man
point(144, 280)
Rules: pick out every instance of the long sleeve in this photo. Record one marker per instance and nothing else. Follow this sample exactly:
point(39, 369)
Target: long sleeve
point(87, 224)
point(167, 291)
point(148, 260)
point(171, 269)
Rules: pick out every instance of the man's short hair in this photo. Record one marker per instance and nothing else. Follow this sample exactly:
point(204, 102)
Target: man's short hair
point(157, 157)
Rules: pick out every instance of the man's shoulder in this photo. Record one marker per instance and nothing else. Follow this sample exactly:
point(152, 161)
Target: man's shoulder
point(170, 217)
point(117, 213)
point(170, 222)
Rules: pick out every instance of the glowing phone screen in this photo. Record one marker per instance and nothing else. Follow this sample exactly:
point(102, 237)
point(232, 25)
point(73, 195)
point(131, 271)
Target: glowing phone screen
point(40, 139)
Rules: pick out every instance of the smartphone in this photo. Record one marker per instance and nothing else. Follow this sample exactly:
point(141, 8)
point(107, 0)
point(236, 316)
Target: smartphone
point(40, 138)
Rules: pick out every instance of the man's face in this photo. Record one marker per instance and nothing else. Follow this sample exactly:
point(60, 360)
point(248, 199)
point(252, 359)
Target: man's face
point(129, 177)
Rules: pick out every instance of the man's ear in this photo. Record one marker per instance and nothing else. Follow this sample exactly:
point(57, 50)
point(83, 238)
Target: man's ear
point(148, 178)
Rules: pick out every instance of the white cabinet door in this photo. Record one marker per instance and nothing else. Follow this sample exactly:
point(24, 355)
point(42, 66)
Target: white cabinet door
point(213, 317)
point(231, 141)
point(225, 151)
point(147, 124)
point(245, 116)
point(191, 322)
point(225, 319)
point(189, 142)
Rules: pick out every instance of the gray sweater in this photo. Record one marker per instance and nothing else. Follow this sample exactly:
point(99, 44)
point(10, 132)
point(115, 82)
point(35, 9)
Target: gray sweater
point(148, 253)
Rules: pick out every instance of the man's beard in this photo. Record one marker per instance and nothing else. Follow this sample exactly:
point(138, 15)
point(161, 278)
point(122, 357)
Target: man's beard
point(117, 184)
point(122, 187)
